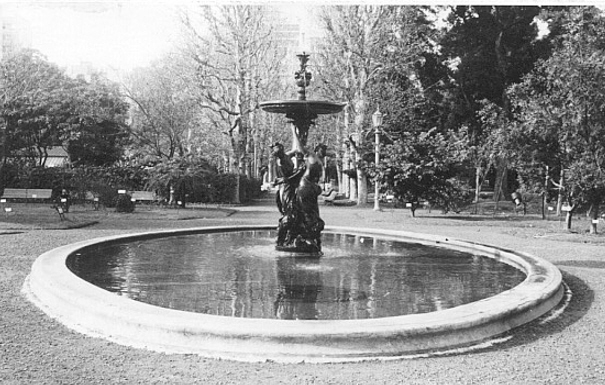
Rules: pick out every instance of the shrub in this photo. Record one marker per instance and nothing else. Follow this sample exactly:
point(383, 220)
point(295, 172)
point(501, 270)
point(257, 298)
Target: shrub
point(108, 196)
point(249, 188)
point(124, 203)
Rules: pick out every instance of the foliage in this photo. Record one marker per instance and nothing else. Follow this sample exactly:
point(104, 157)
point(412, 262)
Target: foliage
point(484, 50)
point(371, 47)
point(180, 174)
point(42, 107)
point(487, 49)
point(98, 133)
point(423, 166)
point(250, 188)
point(124, 204)
point(35, 109)
point(108, 195)
point(560, 112)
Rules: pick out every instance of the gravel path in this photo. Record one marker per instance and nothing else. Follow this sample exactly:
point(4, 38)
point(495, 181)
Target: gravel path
point(569, 349)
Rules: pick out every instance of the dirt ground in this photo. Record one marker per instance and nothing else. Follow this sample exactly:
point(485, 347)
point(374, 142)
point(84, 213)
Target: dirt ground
point(568, 349)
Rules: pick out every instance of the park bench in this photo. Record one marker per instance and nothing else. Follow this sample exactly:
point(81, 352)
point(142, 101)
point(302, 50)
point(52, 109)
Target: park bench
point(93, 198)
point(27, 194)
point(329, 196)
point(143, 196)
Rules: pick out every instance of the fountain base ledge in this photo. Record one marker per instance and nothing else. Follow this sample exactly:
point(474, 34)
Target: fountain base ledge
point(93, 311)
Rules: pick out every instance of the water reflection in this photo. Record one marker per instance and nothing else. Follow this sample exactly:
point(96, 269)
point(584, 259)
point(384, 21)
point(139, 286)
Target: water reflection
point(241, 275)
point(299, 284)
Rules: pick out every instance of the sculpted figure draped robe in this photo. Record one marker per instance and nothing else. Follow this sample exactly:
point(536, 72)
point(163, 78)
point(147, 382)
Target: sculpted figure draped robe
point(300, 226)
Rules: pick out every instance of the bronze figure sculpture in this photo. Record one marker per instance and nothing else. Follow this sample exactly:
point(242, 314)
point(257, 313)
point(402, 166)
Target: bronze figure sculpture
point(299, 170)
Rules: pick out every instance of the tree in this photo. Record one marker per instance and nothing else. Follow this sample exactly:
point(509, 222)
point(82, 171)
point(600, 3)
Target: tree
point(362, 43)
point(560, 114)
point(179, 177)
point(234, 61)
point(34, 110)
point(487, 49)
point(98, 132)
point(165, 118)
point(35, 107)
point(424, 167)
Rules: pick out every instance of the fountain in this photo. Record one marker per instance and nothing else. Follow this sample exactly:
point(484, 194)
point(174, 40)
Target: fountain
point(89, 309)
point(299, 229)
point(300, 289)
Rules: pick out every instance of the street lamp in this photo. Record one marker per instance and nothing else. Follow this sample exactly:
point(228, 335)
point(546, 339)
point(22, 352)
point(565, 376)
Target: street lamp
point(377, 121)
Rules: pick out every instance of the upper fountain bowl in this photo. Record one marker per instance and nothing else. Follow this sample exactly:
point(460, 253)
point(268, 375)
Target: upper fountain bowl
point(307, 108)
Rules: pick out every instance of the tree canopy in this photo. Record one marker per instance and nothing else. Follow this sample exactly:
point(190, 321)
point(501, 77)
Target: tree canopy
point(559, 107)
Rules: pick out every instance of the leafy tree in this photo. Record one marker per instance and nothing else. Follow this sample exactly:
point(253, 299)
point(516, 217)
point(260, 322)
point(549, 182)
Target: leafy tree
point(179, 176)
point(35, 107)
point(424, 166)
point(560, 114)
point(42, 107)
point(487, 49)
point(98, 133)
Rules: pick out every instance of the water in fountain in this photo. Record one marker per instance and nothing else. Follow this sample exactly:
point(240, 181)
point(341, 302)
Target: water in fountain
point(240, 274)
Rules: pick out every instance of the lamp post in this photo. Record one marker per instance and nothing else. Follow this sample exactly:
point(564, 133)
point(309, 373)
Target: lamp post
point(377, 121)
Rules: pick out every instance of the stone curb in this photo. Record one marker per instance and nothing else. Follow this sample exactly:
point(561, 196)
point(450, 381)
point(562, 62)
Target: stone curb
point(91, 310)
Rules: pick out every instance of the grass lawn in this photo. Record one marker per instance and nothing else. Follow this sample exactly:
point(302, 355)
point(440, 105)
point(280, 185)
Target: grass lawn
point(45, 217)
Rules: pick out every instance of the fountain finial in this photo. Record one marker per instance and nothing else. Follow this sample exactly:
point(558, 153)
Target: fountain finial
point(303, 78)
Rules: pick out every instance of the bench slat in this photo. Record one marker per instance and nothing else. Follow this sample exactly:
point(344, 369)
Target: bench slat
point(143, 195)
point(18, 193)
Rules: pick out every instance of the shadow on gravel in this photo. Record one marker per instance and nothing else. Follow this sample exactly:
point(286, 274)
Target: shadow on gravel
point(587, 264)
point(467, 218)
point(582, 297)
point(477, 218)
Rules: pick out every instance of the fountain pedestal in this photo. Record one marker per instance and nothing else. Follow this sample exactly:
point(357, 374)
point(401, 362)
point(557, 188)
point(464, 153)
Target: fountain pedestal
point(299, 228)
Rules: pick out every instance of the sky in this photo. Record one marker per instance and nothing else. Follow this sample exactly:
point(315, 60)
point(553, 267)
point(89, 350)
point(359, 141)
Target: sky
point(111, 34)
point(120, 35)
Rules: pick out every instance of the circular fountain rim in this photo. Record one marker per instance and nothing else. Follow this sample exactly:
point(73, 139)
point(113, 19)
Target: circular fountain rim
point(93, 311)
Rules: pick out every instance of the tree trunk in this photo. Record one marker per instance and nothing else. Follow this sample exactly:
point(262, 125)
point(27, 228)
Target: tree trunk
point(345, 187)
point(236, 197)
point(593, 213)
point(362, 187)
point(545, 194)
point(569, 210)
point(568, 218)
point(339, 167)
point(501, 191)
point(344, 178)
point(353, 189)
point(353, 186)
point(477, 183)
point(560, 196)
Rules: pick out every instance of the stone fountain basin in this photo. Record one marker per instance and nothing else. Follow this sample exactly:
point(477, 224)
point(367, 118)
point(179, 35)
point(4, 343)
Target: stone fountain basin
point(93, 311)
point(302, 107)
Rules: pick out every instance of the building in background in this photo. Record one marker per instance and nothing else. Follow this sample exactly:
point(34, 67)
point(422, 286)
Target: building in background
point(295, 28)
point(15, 33)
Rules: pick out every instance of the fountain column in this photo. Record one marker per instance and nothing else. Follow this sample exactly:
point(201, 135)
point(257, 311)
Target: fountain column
point(300, 226)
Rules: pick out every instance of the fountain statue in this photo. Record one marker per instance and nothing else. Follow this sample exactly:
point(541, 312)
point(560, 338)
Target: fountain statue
point(299, 170)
